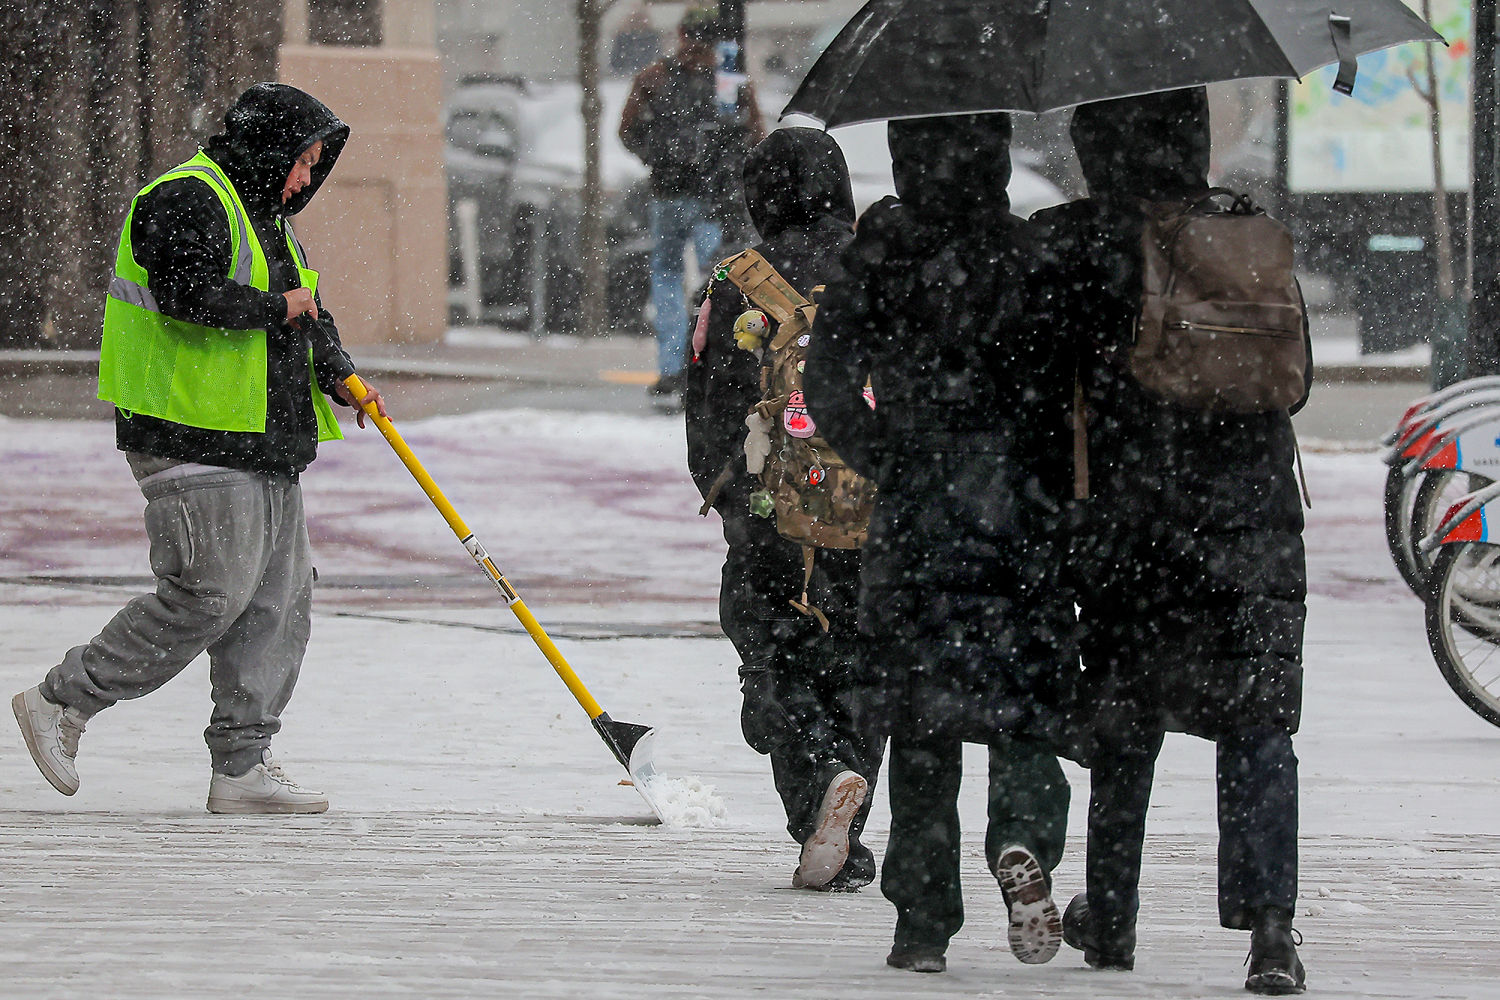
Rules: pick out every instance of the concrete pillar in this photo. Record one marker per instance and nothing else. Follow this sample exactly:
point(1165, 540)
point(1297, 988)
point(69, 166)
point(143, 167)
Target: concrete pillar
point(378, 230)
point(294, 22)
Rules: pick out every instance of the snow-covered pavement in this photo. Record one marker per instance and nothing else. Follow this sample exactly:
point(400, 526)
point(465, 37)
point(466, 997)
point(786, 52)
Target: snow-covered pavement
point(479, 844)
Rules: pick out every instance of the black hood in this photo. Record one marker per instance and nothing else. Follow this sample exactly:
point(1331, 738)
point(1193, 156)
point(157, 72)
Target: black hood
point(795, 179)
point(952, 170)
point(264, 132)
point(1154, 146)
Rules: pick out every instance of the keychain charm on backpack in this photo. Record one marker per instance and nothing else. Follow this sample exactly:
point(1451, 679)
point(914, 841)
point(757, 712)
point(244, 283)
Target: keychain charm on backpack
point(815, 474)
point(761, 504)
point(700, 327)
point(750, 329)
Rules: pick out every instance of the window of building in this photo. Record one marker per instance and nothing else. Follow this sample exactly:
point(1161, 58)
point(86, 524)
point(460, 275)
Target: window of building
point(344, 22)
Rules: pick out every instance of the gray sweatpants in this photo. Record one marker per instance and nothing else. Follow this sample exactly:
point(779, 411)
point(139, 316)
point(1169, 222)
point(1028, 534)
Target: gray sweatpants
point(233, 576)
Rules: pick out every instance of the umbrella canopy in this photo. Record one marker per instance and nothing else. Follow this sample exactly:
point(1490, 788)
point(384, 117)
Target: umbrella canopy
point(911, 58)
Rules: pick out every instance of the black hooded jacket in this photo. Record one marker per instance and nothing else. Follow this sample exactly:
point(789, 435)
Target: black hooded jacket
point(181, 236)
point(1188, 557)
point(798, 195)
point(942, 310)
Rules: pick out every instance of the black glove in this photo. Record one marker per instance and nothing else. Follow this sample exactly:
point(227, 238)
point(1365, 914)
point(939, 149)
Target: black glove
point(766, 725)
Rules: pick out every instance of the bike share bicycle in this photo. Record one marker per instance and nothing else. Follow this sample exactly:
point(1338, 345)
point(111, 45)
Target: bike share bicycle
point(1441, 501)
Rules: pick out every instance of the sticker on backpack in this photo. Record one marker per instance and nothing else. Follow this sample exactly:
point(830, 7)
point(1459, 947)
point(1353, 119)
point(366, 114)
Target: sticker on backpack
point(795, 417)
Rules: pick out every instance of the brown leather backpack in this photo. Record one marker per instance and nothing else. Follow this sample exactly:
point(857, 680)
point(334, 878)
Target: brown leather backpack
point(1221, 324)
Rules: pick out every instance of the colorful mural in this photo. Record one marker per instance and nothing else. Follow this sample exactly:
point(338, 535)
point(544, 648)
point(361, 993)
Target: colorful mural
point(1377, 139)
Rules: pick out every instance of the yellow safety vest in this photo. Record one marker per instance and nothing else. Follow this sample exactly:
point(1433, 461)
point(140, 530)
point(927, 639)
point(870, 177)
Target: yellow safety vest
point(201, 376)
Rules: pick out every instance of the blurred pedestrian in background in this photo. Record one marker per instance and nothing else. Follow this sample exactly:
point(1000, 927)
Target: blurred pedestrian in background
point(219, 407)
point(972, 636)
point(695, 146)
point(1188, 562)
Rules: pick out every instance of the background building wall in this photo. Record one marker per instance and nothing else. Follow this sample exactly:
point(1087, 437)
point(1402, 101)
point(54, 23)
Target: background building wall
point(377, 231)
point(96, 98)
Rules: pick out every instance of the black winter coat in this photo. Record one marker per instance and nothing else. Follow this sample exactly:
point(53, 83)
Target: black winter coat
point(181, 236)
point(798, 195)
point(941, 309)
point(1188, 558)
point(671, 121)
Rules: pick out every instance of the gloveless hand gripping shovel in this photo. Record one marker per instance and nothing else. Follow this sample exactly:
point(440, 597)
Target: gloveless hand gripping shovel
point(631, 744)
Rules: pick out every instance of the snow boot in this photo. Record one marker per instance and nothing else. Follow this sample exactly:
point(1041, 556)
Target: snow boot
point(844, 881)
point(51, 733)
point(1035, 925)
point(1079, 932)
point(826, 850)
point(1275, 969)
point(917, 959)
point(265, 788)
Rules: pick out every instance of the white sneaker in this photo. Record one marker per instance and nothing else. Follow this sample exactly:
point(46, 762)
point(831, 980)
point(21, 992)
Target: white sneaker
point(825, 852)
point(264, 788)
point(51, 733)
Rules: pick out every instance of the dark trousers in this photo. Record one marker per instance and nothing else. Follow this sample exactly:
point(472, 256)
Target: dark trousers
point(815, 686)
point(1257, 805)
point(1028, 805)
point(814, 721)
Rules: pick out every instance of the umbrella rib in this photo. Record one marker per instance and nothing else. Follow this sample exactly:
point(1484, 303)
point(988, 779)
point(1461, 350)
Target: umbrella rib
point(1291, 70)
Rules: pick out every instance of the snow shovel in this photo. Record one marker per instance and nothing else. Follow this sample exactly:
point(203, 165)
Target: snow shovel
point(631, 744)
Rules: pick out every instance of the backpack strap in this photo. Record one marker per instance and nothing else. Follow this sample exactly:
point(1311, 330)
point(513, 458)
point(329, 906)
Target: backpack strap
point(732, 468)
point(1301, 476)
point(764, 286)
point(805, 606)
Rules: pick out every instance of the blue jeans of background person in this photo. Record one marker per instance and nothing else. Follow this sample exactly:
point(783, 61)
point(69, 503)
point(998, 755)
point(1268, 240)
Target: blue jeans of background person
point(676, 223)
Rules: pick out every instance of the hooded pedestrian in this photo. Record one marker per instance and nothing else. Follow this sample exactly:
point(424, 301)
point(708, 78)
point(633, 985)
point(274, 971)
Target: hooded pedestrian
point(971, 637)
point(211, 328)
point(798, 681)
point(1188, 563)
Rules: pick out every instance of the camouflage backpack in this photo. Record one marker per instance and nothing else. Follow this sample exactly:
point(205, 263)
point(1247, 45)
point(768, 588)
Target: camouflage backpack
point(817, 500)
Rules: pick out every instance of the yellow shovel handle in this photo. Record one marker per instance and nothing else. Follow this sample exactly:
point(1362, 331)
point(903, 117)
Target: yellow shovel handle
point(543, 641)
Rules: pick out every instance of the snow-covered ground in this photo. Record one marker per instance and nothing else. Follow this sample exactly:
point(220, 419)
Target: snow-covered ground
point(479, 844)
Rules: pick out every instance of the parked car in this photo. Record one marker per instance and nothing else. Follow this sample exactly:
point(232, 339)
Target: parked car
point(483, 141)
point(515, 149)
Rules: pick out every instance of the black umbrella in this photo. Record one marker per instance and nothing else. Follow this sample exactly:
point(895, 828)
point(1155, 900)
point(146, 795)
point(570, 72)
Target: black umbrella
point(910, 58)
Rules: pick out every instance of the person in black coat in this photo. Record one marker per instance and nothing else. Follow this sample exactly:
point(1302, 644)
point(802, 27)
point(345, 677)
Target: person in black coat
point(972, 637)
point(1188, 561)
point(797, 680)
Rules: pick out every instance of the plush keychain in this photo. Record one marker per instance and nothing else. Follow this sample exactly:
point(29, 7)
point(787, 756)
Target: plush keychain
point(750, 329)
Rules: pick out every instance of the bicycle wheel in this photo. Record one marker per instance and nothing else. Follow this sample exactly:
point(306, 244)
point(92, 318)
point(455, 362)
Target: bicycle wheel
point(1400, 498)
point(1463, 624)
point(1436, 491)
